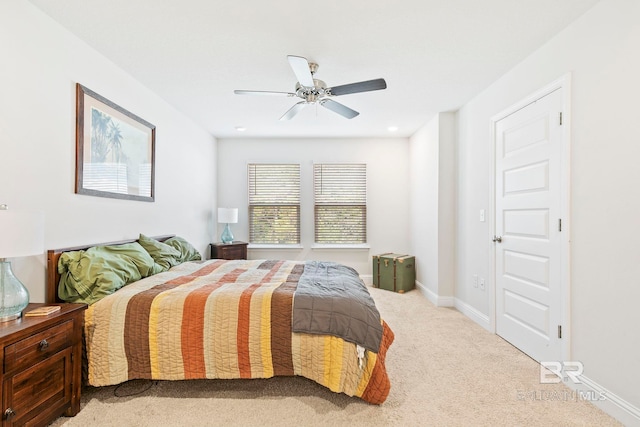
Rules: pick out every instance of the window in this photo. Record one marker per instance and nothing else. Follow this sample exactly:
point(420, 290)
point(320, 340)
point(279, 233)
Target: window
point(274, 203)
point(340, 194)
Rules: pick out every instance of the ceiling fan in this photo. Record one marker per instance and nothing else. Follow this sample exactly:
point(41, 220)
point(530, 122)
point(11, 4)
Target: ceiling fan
point(314, 91)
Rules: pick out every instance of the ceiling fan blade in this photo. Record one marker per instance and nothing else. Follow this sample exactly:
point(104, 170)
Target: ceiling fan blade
point(366, 86)
point(301, 69)
point(262, 92)
point(293, 110)
point(336, 107)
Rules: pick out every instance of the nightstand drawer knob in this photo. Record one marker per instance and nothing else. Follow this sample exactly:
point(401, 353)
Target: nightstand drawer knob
point(44, 344)
point(9, 413)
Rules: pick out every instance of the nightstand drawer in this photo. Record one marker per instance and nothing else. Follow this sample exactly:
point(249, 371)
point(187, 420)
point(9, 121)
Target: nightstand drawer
point(38, 347)
point(234, 250)
point(36, 391)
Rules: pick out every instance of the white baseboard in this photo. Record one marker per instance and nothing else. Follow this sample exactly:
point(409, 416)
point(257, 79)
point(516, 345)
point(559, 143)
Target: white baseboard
point(473, 314)
point(367, 279)
point(609, 402)
point(437, 300)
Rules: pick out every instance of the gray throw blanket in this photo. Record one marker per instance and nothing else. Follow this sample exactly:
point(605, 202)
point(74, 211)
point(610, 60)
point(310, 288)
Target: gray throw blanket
point(332, 300)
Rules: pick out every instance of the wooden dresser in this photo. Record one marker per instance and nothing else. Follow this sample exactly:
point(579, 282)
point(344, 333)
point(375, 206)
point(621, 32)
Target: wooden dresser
point(41, 366)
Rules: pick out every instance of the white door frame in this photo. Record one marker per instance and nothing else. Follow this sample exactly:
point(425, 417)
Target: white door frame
point(563, 83)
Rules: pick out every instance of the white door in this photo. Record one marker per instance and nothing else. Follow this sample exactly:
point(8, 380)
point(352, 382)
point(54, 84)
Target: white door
point(528, 281)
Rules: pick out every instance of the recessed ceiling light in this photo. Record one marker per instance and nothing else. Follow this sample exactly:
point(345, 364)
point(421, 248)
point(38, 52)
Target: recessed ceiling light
point(392, 128)
point(241, 128)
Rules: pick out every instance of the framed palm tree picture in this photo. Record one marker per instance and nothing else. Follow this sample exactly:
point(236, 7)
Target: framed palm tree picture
point(115, 150)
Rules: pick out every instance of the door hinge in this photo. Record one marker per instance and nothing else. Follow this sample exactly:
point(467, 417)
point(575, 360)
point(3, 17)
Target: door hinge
point(559, 331)
point(560, 118)
point(559, 224)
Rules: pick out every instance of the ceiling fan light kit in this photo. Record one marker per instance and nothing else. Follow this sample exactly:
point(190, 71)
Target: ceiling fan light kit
point(315, 91)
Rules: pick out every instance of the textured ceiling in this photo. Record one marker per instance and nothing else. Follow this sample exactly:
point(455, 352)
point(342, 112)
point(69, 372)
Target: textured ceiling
point(434, 54)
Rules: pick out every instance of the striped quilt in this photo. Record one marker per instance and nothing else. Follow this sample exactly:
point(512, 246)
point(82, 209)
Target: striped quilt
point(222, 319)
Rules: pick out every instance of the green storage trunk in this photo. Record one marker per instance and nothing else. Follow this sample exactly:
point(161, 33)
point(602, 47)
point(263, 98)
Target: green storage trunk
point(394, 272)
point(376, 269)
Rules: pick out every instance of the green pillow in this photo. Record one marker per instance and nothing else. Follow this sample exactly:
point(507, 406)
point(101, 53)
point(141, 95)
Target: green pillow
point(186, 249)
point(88, 276)
point(164, 255)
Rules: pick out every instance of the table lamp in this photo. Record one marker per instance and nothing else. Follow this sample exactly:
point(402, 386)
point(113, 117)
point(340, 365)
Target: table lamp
point(21, 234)
point(227, 216)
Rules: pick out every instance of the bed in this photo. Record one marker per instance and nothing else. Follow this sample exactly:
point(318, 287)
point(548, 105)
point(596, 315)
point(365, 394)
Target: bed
point(229, 319)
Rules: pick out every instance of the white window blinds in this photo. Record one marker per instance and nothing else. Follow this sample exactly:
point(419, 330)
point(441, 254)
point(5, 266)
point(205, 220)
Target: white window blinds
point(340, 194)
point(274, 203)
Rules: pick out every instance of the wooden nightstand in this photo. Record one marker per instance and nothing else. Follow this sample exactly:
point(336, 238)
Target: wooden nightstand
point(233, 250)
point(41, 366)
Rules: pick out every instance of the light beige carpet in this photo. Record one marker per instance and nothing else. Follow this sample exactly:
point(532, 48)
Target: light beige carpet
point(445, 371)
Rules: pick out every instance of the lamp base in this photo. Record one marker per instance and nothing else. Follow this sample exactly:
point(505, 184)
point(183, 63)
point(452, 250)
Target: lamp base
point(227, 236)
point(14, 297)
point(10, 317)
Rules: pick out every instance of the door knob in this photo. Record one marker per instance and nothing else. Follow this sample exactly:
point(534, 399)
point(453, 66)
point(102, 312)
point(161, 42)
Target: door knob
point(497, 239)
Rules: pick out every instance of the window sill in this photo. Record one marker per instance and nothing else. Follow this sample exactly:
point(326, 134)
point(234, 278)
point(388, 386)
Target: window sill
point(361, 246)
point(274, 246)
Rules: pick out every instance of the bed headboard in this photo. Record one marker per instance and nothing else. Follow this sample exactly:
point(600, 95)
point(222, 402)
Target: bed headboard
point(53, 277)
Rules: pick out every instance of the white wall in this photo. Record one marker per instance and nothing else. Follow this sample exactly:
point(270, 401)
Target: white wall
point(387, 191)
point(424, 160)
point(41, 63)
point(601, 52)
point(433, 216)
point(446, 204)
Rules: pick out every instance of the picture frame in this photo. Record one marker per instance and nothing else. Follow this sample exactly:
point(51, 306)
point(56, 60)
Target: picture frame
point(115, 150)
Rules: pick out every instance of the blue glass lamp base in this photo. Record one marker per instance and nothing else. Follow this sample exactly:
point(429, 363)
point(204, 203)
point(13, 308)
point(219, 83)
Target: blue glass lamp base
point(227, 236)
point(14, 297)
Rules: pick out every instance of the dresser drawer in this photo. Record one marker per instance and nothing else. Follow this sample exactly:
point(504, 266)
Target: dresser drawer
point(38, 346)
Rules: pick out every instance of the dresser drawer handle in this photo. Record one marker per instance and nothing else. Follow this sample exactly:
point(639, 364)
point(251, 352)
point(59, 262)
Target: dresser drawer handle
point(44, 344)
point(9, 413)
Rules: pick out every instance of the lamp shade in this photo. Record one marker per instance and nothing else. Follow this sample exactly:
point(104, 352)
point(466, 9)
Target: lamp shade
point(227, 215)
point(21, 233)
